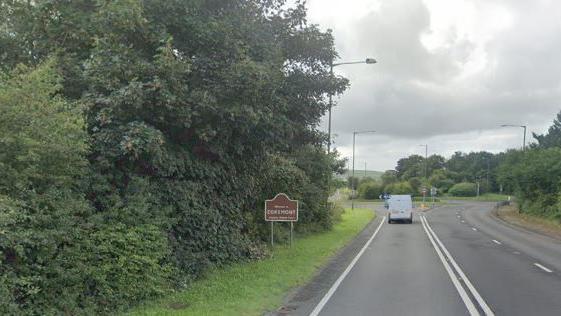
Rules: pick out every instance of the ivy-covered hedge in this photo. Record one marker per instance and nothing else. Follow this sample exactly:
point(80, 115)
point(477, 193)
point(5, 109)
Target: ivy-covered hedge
point(139, 143)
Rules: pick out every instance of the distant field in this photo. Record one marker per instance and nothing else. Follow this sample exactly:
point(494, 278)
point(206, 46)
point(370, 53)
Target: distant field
point(361, 174)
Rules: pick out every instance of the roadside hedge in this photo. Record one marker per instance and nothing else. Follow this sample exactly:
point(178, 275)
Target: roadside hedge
point(140, 140)
point(463, 189)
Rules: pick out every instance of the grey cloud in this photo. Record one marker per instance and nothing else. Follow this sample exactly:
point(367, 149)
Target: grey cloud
point(414, 94)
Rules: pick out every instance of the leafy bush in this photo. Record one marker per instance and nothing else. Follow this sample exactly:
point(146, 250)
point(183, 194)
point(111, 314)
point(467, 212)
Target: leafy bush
point(125, 264)
point(149, 149)
point(369, 190)
point(534, 177)
point(463, 189)
point(402, 187)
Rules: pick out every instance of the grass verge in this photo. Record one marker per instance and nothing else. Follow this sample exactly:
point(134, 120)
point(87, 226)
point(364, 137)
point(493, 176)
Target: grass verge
point(487, 197)
point(546, 226)
point(255, 287)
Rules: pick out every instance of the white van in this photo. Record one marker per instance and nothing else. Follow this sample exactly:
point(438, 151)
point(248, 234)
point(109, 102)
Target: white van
point(400, 208)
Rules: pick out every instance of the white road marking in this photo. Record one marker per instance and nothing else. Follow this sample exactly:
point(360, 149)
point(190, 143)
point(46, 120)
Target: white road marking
point(463, 221)
point(458, 216)
point(516, 252)
point(474, 229)
point(486, 309)
point(542, 267)
point(463, 294)
point(497, 242)
point(335, 285)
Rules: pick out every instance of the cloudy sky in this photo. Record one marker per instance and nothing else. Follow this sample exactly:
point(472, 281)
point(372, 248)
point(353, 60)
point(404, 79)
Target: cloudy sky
point(449, 73)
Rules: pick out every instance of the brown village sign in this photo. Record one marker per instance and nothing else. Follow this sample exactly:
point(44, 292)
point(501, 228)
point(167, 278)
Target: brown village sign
point(281, 209)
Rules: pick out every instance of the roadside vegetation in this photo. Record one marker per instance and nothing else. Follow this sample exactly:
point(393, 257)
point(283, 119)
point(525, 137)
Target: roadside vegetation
point(139, 140)
point(255, 287)
point(531, 176)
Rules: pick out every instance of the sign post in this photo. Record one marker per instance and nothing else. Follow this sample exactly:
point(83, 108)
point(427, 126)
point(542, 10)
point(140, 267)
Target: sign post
point(433, 194)
point(281, 209)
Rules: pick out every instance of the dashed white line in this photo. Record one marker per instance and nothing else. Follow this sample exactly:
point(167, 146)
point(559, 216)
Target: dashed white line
point(497, 242)
point(463, 221)
point(335, 285)
point(542, 267)
point(474, 229)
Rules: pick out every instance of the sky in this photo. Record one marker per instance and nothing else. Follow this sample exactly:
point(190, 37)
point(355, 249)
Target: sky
point(449, 73)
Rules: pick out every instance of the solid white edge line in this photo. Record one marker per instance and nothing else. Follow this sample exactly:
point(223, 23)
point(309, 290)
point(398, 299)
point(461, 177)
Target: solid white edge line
point(335, 285)
point(496, 242)
point(463, 294)
point(486, 309)
point(542, 267)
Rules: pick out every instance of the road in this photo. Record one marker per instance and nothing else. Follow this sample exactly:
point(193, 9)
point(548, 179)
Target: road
point(456, 259)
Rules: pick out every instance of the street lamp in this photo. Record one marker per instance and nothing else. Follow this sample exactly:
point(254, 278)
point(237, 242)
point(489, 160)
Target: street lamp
point(353, 176)
point(366, 61)
point(524, 127)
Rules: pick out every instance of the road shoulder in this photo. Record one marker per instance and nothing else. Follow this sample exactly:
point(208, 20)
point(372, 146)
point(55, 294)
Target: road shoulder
point(302, 300)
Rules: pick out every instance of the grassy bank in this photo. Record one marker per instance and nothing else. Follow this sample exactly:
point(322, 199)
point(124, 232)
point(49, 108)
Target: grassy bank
point(544, 225)
point(487, 197)
point(254, 287)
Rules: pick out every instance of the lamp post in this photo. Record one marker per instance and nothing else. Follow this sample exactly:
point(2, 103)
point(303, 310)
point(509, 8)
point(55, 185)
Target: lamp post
point(331, 65)
point(524, 127)
point(353, 186)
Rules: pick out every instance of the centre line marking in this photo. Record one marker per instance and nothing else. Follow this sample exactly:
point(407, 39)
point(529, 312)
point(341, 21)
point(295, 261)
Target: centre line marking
point(497, 242)
point(486, 309)
point(455, 280)
point(335, 285)
point(542, 267)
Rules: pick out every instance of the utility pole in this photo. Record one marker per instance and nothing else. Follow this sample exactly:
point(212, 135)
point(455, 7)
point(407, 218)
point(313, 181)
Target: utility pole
point(353, 177)
point(488, 186)
point(365, 169)
point(330, 106)
point(426, 158)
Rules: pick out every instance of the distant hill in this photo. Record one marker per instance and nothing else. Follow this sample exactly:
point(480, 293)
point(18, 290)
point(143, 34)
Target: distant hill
point(360, 174)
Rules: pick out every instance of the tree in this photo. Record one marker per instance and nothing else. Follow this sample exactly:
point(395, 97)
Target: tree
point(553, 136)
point(370, 190)
point(412, 166)
point(402, 187)
point(185, 103)
point(389, 177)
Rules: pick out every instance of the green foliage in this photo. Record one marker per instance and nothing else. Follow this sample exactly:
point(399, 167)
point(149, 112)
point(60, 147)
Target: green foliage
point(442, 180)
point(369, 190)
point(553, 136)
point(125, 264)
point(412, 166)
point(463, 189)
point(168, 124)
point(534, 177)
point(402, 187)
point(389, 177)
point(353, 182)
point(42, 149)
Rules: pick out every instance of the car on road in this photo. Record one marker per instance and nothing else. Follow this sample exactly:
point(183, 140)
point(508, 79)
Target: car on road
point(400, 208)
